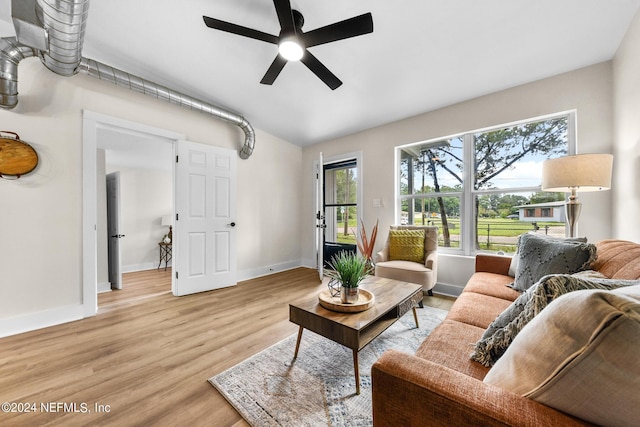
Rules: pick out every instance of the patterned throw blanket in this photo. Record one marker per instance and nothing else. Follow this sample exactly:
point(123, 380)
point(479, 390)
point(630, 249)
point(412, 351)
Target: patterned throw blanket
point(503, 330)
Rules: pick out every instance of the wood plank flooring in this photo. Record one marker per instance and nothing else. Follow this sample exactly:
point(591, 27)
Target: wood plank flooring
point(147, 355)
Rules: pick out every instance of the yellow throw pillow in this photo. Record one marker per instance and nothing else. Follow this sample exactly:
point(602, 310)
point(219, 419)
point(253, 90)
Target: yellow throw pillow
point(406, 245)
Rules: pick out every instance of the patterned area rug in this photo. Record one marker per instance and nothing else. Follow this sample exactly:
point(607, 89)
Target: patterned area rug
point(318, 388)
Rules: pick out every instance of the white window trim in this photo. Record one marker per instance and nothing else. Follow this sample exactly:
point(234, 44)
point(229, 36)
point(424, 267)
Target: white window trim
point(467, 207)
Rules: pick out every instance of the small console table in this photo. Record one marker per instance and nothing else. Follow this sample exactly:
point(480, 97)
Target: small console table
point(165, 254)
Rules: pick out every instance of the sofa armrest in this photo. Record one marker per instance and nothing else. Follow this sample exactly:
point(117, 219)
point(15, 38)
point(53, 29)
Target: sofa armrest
point(490, 263)
point(431, 262)
point(411, 391)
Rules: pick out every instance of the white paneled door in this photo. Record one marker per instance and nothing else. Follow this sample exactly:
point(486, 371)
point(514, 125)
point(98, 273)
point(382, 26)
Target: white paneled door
point(204, 237)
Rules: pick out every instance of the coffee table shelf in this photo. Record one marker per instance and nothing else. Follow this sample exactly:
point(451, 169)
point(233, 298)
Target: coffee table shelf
point(355, 330)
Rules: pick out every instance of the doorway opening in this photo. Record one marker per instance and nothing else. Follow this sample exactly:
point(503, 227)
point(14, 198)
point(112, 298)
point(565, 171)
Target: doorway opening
point(341, 205)
point(98, 132)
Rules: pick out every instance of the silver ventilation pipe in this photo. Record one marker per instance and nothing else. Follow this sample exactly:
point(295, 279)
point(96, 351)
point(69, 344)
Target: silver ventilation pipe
point(11, 53)
point(56, 34)
point(64, 22)
point(138, 84)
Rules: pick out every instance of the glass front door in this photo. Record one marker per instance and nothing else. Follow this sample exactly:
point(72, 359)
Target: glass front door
point(340, 207)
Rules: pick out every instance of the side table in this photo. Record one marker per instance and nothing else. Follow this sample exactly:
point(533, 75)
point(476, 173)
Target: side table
point(165, 254)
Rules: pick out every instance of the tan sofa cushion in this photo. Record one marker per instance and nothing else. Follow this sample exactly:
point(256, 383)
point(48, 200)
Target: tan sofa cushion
point(580, 356)
point(477, 309)
point(492, 284)
point(448, 345)
point(618, 259)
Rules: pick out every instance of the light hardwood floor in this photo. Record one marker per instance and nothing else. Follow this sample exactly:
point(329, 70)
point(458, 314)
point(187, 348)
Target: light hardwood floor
point(147, 355)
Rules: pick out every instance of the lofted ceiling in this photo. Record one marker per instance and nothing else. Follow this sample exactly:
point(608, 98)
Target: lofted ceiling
point(422, 55)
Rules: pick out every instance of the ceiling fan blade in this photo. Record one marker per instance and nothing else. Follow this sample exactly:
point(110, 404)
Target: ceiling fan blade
point(274, 70)
point(351, 27)
point(320, 70)
point(239, 30)
point(285, 15)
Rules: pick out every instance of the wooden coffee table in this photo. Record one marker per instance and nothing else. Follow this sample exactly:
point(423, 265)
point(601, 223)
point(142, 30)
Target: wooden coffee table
point(355, 330)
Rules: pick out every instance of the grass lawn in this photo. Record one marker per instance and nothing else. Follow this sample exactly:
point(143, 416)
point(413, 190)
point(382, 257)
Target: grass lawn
point(492, 229)
point(495, 226)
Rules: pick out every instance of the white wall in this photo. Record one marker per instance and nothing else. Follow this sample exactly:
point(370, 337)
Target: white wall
point(626, 176)
point(145, 196)
point(41, 214)
point(588, 91)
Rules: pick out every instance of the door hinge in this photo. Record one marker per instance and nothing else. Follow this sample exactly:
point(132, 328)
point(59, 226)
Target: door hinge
point(177, 159)
point(176, 217)
point(176, 275)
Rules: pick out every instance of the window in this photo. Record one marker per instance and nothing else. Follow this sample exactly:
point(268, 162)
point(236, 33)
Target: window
point(340, 202)
point(480, 187)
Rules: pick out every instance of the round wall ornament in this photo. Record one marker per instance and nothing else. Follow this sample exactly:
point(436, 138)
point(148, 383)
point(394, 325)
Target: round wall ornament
point(16, 157)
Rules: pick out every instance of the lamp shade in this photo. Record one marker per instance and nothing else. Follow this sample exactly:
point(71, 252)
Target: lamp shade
point(166, 221)
point(581, 172)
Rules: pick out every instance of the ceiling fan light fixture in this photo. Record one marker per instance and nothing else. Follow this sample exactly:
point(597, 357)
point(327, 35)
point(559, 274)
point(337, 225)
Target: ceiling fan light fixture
point(290, 48)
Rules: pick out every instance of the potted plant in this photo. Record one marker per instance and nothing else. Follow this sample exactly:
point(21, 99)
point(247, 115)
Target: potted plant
point(348, 271)
point(366, 245)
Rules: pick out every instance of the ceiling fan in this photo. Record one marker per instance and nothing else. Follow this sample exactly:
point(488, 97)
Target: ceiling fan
point(293, 43)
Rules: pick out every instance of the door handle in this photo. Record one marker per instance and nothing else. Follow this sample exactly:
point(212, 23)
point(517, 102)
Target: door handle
point(232, 224)
point(118, 236)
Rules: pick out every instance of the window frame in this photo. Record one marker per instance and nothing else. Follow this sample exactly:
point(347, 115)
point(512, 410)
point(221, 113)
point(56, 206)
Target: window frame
point(468, 194)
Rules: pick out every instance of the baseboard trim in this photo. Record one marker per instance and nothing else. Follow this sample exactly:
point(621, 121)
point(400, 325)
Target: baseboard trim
point(141, 267)
point(309, 263)
point(448, 290)
point(254, 273)
point(104, 287)
point(41, 319)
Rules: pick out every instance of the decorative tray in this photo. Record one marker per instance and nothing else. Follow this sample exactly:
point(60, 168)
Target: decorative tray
point(365, 301)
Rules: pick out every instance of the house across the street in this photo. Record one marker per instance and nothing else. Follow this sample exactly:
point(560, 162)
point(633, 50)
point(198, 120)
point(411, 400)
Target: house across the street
point(550, 211)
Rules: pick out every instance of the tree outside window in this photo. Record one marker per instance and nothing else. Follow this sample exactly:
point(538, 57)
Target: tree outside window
point(478, 178)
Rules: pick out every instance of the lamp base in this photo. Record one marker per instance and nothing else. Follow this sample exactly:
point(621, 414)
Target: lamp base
point(573, 208)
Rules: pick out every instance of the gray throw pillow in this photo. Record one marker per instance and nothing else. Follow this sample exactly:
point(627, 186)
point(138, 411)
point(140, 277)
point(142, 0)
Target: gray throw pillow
point(539, 256)
point(509, 323)
point(513, 267)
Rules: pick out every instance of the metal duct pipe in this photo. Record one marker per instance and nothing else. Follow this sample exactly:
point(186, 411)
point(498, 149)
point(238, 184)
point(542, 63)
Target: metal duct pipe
point(121, 78)
point(11, 53)
point(64, 21)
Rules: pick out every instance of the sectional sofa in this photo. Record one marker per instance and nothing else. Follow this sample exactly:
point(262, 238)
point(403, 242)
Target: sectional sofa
point(441, 385)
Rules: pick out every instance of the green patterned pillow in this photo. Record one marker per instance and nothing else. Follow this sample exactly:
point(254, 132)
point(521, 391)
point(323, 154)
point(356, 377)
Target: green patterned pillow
point(406, 245)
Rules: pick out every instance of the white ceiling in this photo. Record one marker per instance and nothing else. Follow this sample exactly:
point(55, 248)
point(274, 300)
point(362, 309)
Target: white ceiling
point(422, 55)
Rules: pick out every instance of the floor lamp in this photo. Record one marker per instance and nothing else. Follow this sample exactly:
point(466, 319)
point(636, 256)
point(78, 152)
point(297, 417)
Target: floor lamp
point(581, 172)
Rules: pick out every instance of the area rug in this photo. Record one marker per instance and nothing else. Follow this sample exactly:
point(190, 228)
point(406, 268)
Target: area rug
point(318, 388)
